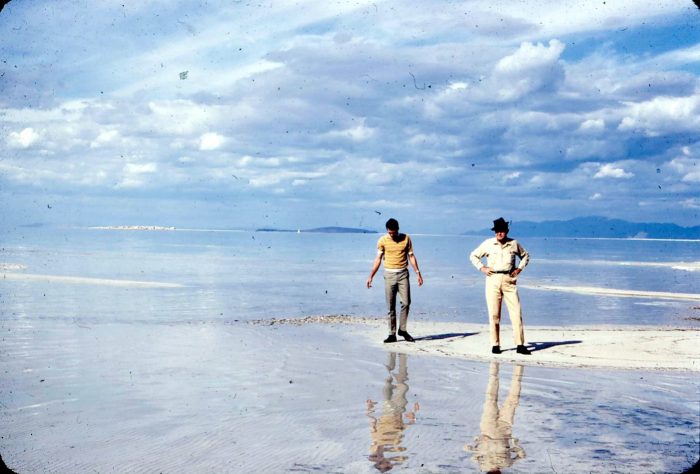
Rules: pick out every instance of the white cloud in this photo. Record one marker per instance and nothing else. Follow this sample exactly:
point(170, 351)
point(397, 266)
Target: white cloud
point(686, 166)
point(134, 175)
point(273, 178)
point(530, 57)
point(692, 177)
point(611, 171)
point(514, 159)
point(140, 168)
point(663, 115)
point(211, 141)
point(179, 116)
point(511, 176)
point(691, 203)
point(358, 133)
point(23, 139)
point(592, 126)
point(104, 137)
point(530, 68)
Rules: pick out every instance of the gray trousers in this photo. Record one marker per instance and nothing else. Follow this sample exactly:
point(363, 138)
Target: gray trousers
point(397, 282)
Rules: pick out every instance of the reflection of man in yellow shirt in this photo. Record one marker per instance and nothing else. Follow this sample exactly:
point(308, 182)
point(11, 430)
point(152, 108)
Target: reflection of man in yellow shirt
point(387, 431)
point(495, 448)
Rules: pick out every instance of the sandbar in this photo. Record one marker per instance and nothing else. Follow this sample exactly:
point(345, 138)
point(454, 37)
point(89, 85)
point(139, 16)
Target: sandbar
point(599, 291)
point(633, 348)
point(88, 280)
point(609, 347)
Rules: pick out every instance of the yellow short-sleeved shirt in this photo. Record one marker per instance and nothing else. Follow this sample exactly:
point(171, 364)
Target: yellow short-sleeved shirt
point(395, 253)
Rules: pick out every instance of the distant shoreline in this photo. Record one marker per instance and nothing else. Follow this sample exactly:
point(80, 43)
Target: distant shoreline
point(324, 230)
point(133, 227)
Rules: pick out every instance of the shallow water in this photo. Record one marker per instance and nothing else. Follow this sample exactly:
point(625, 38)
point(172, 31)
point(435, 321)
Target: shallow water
point(204, 397)
point(250, 275)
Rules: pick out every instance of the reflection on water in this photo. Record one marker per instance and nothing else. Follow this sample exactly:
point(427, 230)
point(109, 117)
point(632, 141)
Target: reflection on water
point(387, 428)
point(496, 448)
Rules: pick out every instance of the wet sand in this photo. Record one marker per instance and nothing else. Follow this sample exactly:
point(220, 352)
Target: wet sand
point(323, 394)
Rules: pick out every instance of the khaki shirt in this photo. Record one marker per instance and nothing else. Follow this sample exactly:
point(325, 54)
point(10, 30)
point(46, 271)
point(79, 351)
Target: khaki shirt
point(501, 258)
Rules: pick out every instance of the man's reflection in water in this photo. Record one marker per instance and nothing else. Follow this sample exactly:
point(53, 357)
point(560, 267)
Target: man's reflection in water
point(387, 430)
point(496, 448)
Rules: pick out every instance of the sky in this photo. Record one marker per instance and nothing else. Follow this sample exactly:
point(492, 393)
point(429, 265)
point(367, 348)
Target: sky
point(300, 114)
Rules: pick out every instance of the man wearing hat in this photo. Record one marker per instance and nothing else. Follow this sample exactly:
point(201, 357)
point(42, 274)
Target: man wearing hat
point(501, 277)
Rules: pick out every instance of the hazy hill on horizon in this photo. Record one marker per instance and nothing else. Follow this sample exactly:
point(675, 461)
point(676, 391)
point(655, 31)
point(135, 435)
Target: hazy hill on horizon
point(601, 227)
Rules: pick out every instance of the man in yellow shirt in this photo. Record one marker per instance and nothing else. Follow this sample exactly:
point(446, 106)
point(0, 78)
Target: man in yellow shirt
point(397, 251)
point(501, 277)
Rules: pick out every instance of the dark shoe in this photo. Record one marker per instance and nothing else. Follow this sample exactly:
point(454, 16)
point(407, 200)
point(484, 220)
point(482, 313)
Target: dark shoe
point(391, 338)
point(496, 350)
point(522, 350)
point(406, 336)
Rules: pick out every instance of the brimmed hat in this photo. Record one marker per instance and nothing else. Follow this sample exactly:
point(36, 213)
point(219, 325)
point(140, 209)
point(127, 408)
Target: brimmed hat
point(500, 225)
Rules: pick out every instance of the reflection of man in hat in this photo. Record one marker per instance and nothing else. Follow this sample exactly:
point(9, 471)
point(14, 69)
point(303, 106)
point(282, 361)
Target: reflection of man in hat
point(496, 448)
point(501, 276)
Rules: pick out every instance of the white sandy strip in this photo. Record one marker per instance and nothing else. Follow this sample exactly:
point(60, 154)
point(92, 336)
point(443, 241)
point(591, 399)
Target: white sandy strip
point(592, 290)
point(686, 266)
point(89, 281)
point(642, 348)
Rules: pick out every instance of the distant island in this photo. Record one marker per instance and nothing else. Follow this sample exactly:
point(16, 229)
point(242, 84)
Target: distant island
point(132, 227)
point(599, 227)
point(324, 230)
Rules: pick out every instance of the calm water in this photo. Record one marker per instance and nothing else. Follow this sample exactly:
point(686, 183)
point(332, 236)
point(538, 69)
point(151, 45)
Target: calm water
point(248, 275)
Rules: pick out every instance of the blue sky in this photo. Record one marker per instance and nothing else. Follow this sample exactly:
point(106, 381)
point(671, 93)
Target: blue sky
point(443, 114)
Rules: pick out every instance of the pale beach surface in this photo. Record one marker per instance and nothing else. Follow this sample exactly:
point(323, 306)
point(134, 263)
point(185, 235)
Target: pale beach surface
point(624, 347)
point(612, 347)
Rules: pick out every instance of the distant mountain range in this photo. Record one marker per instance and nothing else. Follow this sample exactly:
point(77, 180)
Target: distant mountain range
point(326, 230)
point(600, 227)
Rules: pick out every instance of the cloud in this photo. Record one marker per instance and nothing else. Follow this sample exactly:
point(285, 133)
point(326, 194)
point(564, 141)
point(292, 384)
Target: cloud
point(135, 174)
point(611, 171)
point(663, 115)
point(211, 141)
point(358, 133)
point(511, 176)
point(686, 167)
point(691, 203)
point(105, 137)
point(23, 139)
point(314, 102)
point(531, 68)
point(592, 126)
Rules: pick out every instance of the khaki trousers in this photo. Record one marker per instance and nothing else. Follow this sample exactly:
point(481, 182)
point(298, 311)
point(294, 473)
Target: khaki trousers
point(501, 287)
point(397, 283)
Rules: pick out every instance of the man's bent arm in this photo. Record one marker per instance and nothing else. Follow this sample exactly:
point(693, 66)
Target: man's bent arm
point(524, 257)
point(476, 256)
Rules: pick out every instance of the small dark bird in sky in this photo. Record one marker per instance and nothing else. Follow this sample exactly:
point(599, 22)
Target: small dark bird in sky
point(378, 212)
